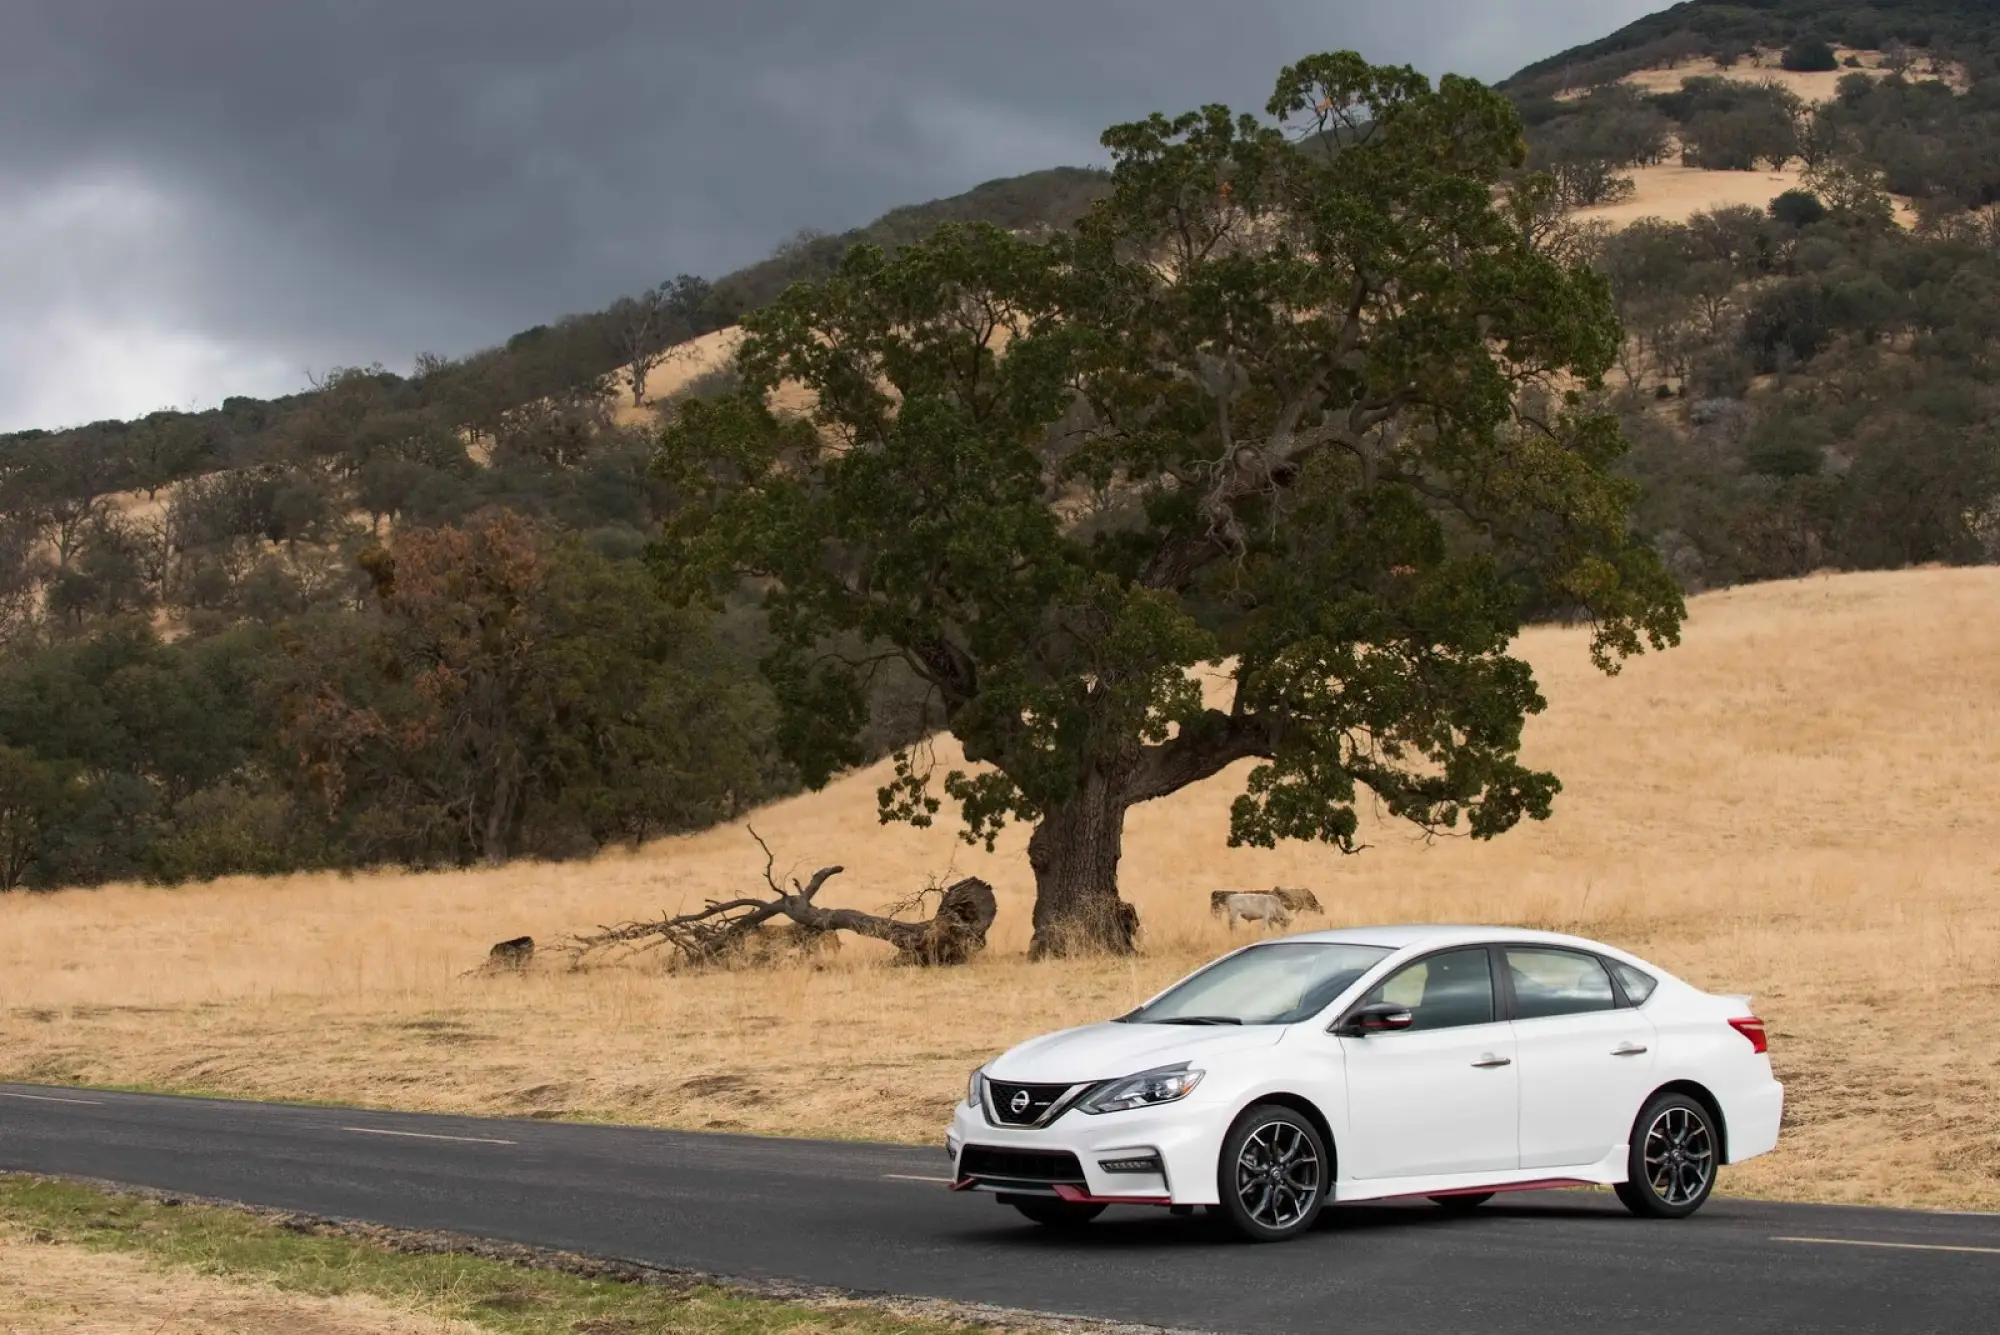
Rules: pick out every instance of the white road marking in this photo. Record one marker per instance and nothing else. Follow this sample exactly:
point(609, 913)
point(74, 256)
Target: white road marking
point(1897, 1246)
point(911, 1177)
point(425, 1135)
point(48, 1098)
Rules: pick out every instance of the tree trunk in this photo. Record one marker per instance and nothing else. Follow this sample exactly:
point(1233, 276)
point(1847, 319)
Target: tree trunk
point(498, 825)
point(1075, 852)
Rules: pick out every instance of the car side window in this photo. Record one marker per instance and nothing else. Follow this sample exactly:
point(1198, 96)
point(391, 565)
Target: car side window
point(1444, 991)
point(1637, 983)
point(1557, 982)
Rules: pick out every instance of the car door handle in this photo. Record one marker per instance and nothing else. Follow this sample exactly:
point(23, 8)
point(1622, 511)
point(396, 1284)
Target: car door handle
point(1628, 1049)
point(1490, 1060)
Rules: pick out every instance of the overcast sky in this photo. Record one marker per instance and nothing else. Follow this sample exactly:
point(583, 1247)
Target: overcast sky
point(212, 197)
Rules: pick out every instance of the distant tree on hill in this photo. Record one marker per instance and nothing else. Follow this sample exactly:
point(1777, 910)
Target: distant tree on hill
point(1270, 377)
point(1744, 137)
point(1587, 148)
point(648, 325)
point(58, 484)
point(166, 447)
point(1810, 55)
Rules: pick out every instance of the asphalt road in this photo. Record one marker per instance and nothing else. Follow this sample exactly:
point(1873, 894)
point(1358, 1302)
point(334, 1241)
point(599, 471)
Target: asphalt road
point(877, 1218)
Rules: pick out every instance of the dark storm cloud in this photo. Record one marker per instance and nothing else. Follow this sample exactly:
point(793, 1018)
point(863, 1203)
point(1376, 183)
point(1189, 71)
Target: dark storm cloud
point(210, 196)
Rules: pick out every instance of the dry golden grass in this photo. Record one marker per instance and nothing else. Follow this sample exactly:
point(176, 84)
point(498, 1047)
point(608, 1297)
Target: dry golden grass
point(1767, 67)
point(1675, 194)
point(59, 1289)
point(1802, 803)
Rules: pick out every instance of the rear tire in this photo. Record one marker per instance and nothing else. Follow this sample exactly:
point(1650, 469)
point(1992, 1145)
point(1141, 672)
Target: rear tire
point(1062, 1216)
point(1670, 1170)
point(1463, 1203)
point(1274, 1174)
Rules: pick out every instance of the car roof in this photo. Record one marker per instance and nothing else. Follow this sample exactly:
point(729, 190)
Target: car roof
point(1425, 935)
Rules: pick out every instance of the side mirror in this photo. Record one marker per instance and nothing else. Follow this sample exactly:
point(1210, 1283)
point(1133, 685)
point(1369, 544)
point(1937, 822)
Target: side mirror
point(1384, 1017)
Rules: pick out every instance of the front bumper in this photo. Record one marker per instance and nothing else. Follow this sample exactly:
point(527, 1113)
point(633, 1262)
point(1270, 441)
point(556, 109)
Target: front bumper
point(1185, 1137)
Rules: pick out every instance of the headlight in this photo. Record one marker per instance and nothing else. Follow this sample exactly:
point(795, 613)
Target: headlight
point(1163, 1085)
point(976, 1087)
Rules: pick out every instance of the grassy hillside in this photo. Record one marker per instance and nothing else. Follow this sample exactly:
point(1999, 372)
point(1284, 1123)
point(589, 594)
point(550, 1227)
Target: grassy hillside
point(205, 668)
point(1963, 29)
point(1796, 804)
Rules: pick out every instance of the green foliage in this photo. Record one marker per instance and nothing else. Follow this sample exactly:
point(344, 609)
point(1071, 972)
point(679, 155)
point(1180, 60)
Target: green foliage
point(1585, 144)
point(1810, 55)
point(515, 692)
point(571, 697)
point(1731, 126)
point(1798, 208)
point(1873, 445)
point(1282, 366)
point(37, 799)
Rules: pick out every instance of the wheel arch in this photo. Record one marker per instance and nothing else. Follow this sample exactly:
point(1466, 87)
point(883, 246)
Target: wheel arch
point(1305, 1108)
point(1700, 1094)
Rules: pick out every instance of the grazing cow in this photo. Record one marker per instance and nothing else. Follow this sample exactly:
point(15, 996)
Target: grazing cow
point(1250, 908)
point(1297, 900)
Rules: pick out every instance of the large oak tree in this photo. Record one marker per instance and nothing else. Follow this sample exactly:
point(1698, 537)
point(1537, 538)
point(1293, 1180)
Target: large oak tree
point(1301, 396)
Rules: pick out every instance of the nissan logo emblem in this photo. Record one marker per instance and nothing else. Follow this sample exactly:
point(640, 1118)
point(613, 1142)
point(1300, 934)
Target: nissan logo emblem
point(1019, 1103)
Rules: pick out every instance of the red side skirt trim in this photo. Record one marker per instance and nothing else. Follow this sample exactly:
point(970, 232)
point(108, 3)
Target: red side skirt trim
point(1545, 1184)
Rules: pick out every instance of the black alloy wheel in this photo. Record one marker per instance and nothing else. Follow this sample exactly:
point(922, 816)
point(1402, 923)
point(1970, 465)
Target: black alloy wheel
point(1675, 1152)
point(1274, 1173)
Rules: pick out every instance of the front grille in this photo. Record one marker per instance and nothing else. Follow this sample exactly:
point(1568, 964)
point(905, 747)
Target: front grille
point(1040, 1166)
point(1012, 1109)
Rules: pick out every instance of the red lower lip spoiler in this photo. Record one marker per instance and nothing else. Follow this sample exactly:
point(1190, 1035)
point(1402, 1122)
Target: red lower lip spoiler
point(1077, 1195)
point(1082, 1197)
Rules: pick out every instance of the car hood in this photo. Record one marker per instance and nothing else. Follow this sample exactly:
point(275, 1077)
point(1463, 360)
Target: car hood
point(1108, 1051)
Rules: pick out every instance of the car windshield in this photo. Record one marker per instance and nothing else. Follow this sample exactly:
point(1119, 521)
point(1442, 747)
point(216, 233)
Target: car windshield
point(1280, 983)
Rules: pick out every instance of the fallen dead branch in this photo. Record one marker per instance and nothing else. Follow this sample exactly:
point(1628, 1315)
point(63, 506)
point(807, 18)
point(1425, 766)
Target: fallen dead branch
point(724, 929)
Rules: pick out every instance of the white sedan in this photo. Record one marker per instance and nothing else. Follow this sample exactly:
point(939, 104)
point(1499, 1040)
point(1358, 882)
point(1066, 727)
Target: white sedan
point(1371, 1063)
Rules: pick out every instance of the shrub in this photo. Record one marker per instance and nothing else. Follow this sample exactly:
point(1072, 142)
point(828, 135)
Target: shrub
point(1788, 323)
point(1810, 55)
point(1798, 208)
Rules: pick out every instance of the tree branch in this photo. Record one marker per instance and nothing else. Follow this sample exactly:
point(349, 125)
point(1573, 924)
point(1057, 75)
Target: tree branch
point(1204, 748)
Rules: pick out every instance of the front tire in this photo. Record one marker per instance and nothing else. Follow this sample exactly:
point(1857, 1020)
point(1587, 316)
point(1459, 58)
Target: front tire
point(1274, 1174)
point(1676, 1149)
point(1062, 1216)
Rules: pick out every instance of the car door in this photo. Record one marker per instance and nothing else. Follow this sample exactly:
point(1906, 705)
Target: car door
point(1586, 1062)
point(1441, 1096)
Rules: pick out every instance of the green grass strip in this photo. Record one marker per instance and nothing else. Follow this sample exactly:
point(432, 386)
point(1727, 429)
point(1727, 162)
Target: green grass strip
point(493, 1294)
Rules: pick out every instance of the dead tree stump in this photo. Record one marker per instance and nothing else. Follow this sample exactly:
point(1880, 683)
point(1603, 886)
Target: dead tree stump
point(515, 954)
point(725, 928)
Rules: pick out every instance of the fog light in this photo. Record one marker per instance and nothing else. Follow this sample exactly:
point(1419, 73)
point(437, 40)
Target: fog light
point(1141, 1163)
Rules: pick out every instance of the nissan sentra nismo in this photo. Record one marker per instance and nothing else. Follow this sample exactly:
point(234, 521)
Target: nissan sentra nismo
point(1368, 1063)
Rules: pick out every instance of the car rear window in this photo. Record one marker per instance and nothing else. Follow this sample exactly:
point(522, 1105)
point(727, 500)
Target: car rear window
point(1549, 982)
point(1638, 984)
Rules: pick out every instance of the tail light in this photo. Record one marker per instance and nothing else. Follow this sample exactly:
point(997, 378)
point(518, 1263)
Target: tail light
point(1752, 1028)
